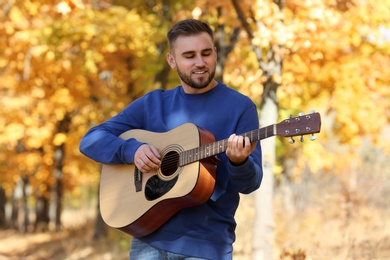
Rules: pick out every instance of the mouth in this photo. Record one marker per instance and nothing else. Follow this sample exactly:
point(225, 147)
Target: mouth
point(200, 72)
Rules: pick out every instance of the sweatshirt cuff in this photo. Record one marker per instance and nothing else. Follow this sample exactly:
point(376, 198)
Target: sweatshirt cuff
point(236, 165)
point(239, 169)
point(129, 149)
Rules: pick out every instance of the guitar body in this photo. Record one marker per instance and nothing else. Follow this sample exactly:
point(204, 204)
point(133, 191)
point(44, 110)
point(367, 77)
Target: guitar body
point(138, 203)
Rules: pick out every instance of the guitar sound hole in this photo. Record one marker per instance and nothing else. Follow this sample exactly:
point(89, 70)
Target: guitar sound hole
point(170, 163)
point(155, 187)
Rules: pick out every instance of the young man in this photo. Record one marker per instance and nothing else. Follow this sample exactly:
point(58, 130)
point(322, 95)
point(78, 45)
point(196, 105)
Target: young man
point(206, 231)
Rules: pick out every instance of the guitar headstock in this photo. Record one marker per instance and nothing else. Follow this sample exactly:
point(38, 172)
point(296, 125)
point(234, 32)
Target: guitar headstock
point(300, 126)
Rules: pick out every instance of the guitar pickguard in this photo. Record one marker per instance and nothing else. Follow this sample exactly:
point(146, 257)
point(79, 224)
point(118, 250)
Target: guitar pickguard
point(166, 178)
point(155, 187)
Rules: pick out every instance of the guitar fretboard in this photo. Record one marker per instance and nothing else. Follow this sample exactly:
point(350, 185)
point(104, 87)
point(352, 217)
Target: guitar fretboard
point(211, 149)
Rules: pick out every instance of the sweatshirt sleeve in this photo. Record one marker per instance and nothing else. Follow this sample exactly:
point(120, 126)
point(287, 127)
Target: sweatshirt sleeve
point(102, 142)
point(247, 177)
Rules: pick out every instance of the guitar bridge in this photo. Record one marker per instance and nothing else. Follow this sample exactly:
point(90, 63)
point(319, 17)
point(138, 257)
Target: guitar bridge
point(137, 180)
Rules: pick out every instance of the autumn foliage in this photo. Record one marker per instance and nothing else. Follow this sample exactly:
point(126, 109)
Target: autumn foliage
point(68, 65)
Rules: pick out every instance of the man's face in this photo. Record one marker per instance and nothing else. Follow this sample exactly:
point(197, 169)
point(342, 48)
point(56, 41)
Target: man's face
point(195, 59)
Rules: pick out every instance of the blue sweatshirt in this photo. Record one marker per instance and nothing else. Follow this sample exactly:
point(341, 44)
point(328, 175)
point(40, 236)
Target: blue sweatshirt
point(207, 230)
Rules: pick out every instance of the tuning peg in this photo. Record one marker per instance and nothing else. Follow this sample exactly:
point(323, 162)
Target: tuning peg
point(302, 139)
point(313, 137)
point(301, 114)
point(291, 140)
point(312, 111)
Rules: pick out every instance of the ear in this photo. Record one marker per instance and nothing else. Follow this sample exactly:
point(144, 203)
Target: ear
point(171, 60)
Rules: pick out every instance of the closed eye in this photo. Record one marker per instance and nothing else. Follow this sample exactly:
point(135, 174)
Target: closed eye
point(191, 54)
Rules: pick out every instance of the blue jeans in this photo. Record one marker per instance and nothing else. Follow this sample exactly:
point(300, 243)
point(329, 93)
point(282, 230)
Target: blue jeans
point(142, 251)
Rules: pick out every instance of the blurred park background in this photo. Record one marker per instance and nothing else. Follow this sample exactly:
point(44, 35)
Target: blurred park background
point(67, 65)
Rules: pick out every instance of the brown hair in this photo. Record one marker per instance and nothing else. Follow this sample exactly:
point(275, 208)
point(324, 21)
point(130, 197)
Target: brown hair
point(188, 27)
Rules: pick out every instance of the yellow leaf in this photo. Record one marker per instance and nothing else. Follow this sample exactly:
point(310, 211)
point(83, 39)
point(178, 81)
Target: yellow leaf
point(14, 131)
point(111, 47)
point(16, 15)
point(79, 4)
point(63, 8)
point(59, 139)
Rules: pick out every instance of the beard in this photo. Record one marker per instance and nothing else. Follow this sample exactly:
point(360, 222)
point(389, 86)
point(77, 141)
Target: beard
point(199, 83)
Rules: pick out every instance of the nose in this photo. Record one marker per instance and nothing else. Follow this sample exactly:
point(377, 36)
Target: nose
point(199, 61)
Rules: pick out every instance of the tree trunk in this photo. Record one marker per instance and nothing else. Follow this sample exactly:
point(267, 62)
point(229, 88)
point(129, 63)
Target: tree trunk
point(19, 214)
point(3, 202)
point(26, 220)
point(224, 47)
point(100, 227)
point(264, 224)
point(59, 154)
point(15, 207)
point(42, 214)
point(57, 189)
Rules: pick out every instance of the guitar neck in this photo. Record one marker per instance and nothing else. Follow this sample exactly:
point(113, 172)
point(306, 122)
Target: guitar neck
point(293, 126)
point(212, 149)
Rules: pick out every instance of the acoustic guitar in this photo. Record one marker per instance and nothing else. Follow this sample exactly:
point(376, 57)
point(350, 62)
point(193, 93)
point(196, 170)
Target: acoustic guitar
point(138, 203)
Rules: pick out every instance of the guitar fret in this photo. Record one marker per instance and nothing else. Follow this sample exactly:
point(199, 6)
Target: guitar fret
point(188, 156)
point(217, 147)
point(271, 130)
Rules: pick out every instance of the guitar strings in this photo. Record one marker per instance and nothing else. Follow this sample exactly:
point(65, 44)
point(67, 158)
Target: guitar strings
point(205, 151)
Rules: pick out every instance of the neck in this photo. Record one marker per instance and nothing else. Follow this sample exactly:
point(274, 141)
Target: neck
point(190, 90)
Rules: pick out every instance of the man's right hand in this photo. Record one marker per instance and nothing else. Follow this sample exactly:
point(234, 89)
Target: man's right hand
point(147, 158)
